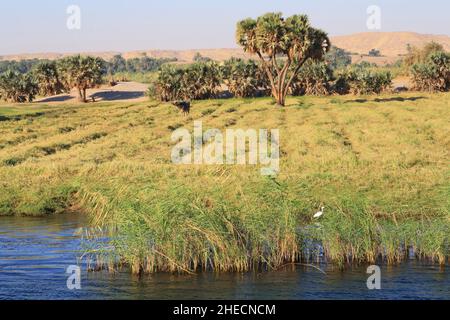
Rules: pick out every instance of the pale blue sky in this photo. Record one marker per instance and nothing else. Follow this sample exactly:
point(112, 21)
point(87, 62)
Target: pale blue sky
point(28, 26)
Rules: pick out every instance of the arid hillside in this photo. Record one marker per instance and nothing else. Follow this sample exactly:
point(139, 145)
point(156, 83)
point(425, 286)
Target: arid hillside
point(390, 44)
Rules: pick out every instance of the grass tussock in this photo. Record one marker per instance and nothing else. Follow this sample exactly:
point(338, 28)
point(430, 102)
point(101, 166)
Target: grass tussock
point(378, 166)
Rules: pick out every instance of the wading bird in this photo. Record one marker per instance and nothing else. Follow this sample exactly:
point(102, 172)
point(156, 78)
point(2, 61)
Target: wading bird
point(319, 213)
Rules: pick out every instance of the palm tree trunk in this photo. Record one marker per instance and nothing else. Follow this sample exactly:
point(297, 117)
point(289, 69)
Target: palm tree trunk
point(80, 95)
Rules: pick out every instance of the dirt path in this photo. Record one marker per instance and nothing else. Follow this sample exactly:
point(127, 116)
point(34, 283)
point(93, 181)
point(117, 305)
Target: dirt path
point(123, 91)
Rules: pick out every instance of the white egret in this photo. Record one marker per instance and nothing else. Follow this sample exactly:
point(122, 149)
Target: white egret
point(319, 213)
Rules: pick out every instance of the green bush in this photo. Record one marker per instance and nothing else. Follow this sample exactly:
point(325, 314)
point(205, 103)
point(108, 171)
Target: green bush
point(434, 74)
point(17, 87)
point(199, 80)
point(360, 80)
point(244, 78)
point(312, 79)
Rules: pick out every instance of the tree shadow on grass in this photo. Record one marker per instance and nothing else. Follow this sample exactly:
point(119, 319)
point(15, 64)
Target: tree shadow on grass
point(117, 95)
point(399, 99)
point(60, 98)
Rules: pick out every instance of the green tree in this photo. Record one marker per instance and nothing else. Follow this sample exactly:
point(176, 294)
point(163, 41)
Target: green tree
point(199, 58)
point(47, 78)
point(117, 64)
point(283, 46)
point(17, 87)
point(82, 73)
point(374, 53)
point(338, 58)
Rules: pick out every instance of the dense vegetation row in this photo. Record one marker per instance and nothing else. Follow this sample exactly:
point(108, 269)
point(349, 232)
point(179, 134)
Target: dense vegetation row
point(428, 68)
point(22, 81)
point(330, 73)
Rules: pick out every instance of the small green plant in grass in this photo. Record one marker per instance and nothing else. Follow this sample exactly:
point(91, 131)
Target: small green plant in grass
point(207, 112)
point(175, 126)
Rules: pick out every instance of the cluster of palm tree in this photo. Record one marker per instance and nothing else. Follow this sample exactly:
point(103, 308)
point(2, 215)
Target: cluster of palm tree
point(245, 78)
point(200, 80)
point(359, 79)
point(17, 87)
point(205, 79)
point(47, 77)
point(53, 77)
point(313, 79)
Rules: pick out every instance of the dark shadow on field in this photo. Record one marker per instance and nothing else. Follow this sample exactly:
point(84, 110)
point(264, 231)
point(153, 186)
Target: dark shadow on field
point(400, 99)
point(117, 95)
point(60, 98)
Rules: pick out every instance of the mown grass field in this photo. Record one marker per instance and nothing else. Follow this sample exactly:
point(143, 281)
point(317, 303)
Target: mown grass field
point(379, 165)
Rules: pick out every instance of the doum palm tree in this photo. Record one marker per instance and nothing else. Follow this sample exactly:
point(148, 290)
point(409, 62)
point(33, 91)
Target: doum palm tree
point(82, 73)
point(283, 46)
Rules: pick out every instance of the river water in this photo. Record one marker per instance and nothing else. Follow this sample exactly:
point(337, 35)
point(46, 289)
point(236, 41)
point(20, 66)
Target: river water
point(35, 253)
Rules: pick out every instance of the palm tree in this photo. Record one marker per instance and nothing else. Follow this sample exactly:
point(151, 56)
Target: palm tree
point(82, 73)
point(283, 46)
point(244, 78)
point(46, 75)
point(200, 80)
point(17, 87)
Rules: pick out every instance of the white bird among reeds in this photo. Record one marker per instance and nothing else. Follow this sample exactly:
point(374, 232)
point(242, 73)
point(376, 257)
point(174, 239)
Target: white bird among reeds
point(318, 214)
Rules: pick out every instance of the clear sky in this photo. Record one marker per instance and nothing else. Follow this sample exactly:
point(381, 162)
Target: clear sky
point(28, 26)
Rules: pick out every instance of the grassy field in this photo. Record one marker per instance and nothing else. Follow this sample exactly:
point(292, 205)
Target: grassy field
point(379, 165)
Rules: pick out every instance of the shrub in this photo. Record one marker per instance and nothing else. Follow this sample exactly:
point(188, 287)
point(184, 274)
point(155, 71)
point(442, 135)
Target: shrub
point(199, 58)
point(17, 87)
point(359, 80)
point(200, 80)
point(434, 74)
point(313, 79)
point(416, 55)
point(46, 75)
point(244, 78)
point(374, 53)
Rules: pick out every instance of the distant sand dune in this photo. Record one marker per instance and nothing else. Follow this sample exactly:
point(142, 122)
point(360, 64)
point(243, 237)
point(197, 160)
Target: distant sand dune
point(391, 45)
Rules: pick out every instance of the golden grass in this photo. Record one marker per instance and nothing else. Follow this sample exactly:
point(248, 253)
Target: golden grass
point(378, 164)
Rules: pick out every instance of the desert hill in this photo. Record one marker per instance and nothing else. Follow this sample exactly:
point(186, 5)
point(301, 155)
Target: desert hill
point(390, 44)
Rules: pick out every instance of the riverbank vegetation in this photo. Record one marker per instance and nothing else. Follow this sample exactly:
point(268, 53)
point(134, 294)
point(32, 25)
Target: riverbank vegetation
point(375, 159)
point(377, 164)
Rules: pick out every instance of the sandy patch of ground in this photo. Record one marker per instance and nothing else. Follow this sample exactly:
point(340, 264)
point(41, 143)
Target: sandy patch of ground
point(123, 91)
